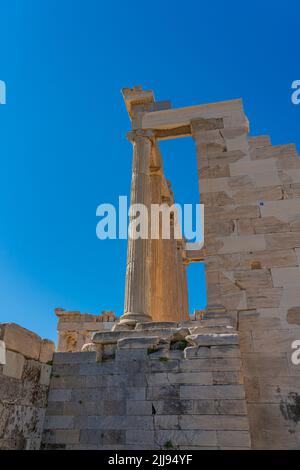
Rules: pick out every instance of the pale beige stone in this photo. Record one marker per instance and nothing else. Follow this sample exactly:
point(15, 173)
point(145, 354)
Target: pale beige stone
point(264, 179)
point(273, 340)
point(232, 212)
point(227, 283)
point(268, 259)
point(259, 141)
point(175, 118)
point(286, 277)
point(244, 243)
point(245, 227)
point(213, 339)
point(215, 184)
point(248, 167)
point(2, 352)
point(158, 325)
point(265, 364)
point(272, 313)
point(226, 262)
point(264, 298)
point(269, 225)
point(260, 320)
point(290, 176)
point(291, 191)
point(219, 228)
point(223, 158)
point(282, 240)
point(216, 199)
point(297, 253)
point(208, 125)
point(295, 224)
point(283, 210)
point(45, 374)
point(236, 183)
point(256, 279)
point(20, 340)
point(236, 138)
point(217, 171)
point(260, 194)
point(208, 136)
point(138, 343)
point(14, 365)
point(237, 301)
point(290, 296)
point(276, 151)
point(75, 330)
point(291, 163)
point(47, 351)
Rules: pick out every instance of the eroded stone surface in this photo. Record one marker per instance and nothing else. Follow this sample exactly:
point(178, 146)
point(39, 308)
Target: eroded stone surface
point(24, 384)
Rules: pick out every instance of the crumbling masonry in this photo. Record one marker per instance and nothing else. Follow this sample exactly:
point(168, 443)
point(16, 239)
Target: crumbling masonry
point(157, 377)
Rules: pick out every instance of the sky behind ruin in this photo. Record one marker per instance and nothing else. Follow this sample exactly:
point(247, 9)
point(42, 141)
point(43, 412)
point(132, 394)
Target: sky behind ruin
point(63, 130)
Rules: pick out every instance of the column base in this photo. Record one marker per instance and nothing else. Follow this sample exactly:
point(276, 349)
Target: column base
point(131, 318)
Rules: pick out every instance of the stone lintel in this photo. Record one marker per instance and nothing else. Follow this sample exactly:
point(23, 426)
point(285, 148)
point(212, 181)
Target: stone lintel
point(160, 105)
point(174, 133)
point(210, 124)
point(180, 117)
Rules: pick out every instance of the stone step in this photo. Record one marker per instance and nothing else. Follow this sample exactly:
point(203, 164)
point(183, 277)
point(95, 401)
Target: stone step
point(151, 342)
point(112, 337)
point(156, 325)
point(213, 339)
point(219, 329)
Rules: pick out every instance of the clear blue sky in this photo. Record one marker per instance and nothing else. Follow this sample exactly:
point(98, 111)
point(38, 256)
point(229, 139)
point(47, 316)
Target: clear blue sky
point(62, 132)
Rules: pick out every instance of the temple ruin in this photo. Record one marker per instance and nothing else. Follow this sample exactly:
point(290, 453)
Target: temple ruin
point(157, 377)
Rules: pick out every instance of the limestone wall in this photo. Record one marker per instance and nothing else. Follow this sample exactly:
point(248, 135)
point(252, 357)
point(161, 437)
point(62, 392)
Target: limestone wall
point(154, 392)
point(24, 384)
point(75, 329)
point(251, 192)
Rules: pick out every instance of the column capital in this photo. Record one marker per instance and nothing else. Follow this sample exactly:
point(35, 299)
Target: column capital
point(140, 135)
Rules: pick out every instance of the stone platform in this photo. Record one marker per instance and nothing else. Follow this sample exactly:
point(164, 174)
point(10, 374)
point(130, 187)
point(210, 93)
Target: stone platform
point(159, 386)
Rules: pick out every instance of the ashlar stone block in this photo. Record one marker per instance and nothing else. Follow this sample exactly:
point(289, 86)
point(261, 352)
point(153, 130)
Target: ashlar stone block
point(14, 365)
point(213, 339)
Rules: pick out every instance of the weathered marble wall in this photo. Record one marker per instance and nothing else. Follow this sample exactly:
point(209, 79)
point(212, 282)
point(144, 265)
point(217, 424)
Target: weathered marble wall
point(226, 381)
point(24, 384)
point(251, 192)
point(156, 391)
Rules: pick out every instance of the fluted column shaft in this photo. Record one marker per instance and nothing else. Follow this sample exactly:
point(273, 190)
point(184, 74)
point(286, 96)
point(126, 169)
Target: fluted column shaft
point(185, 294)
point(170, 291)
point(157, 253)
point(138, 277)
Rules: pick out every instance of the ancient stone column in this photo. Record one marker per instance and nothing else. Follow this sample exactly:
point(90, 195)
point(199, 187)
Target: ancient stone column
point(185, 294)
point(138, 276)
point(170, 281)
point(182, 297)
point(157, 252)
